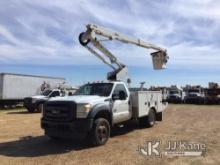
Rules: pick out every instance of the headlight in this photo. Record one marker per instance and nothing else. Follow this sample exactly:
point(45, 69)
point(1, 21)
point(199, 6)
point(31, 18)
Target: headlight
point(83, 110)
point(34, 100)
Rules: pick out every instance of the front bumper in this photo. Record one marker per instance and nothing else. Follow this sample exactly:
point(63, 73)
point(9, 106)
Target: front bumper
point(174, 100)
point(75, 129)
point(194, 100)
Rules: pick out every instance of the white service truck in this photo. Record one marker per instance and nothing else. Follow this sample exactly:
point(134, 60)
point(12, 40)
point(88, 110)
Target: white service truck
point(194, 94)
point(96, 107)
point(15, 87)
point(35, 103)
point(176, 95)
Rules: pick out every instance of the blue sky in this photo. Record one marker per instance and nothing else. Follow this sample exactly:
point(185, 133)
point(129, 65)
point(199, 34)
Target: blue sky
point(41, 37)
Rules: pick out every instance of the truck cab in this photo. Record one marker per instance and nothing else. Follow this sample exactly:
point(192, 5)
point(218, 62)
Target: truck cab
point(35, 103)
point(95, 108)
point(175, 96)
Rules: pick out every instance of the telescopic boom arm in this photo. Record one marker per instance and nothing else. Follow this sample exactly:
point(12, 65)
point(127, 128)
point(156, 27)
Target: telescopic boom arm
point(93, 31)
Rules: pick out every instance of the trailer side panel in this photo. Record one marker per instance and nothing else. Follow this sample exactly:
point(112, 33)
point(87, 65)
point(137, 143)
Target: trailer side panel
point(19, 86)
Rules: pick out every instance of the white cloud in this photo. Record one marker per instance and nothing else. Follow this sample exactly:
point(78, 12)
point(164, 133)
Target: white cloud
point(34, 40)
point(202, 9)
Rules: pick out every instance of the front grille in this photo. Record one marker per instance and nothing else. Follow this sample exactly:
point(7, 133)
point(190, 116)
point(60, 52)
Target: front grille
point(60, 110)
point(173, 97)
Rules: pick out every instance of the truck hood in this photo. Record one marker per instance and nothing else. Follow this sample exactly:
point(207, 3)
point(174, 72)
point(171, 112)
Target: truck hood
point(194, 94)
point(39, 97)
point(81, 99)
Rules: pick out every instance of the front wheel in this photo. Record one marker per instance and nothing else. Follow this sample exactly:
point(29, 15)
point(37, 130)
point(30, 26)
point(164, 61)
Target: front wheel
point(30, 110)
point(40, 107)
point(100, 132)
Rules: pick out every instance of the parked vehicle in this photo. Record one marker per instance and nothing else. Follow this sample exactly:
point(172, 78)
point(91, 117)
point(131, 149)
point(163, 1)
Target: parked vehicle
point(35, 103)
point(212, 94)
point(194, 94)
point(96, 108)
point(176, 95)
point(15, 87)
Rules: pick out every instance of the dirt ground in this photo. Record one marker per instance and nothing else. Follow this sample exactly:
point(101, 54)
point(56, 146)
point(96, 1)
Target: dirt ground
point(22, 141)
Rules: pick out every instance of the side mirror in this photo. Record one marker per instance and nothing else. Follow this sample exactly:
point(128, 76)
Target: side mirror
point(115, 97)
point(122, 95)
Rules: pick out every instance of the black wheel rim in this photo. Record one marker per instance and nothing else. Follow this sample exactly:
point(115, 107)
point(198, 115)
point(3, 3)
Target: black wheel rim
point(102, 132)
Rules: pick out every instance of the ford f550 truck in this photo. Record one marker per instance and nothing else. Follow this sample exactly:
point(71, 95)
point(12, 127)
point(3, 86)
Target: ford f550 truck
point(97, 107)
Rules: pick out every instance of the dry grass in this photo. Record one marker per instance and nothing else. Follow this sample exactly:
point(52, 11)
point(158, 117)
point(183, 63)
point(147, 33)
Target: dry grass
point(22, 140)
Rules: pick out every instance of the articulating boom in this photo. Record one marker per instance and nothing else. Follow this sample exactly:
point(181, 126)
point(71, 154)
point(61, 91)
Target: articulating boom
point(120, 73)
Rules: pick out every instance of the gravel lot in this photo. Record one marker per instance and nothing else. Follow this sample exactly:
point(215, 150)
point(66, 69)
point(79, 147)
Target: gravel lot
point(22, 141)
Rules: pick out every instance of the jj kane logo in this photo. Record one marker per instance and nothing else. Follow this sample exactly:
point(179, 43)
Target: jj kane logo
point(172, 148)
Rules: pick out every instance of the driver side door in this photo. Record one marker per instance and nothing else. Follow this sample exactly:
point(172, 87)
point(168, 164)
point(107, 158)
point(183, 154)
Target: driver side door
point(120, 107)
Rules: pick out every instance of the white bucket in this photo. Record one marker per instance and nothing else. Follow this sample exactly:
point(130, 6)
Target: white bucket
point(159, 59)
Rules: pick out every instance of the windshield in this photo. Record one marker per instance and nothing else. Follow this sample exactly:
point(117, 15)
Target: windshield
point(194, 91)
point(46, 92)
point(174, 92)
point(100, 89)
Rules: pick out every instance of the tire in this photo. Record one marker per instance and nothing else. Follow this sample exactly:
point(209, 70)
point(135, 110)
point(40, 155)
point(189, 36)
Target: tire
point(31, 110)
point(100, 132)
point(148, 121)
point(40, 107)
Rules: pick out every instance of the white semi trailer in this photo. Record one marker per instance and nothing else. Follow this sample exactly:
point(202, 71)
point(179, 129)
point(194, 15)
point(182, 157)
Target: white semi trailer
point(15, 87)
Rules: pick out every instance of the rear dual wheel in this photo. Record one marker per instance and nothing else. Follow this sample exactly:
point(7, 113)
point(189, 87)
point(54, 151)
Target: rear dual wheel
point(148, 121)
